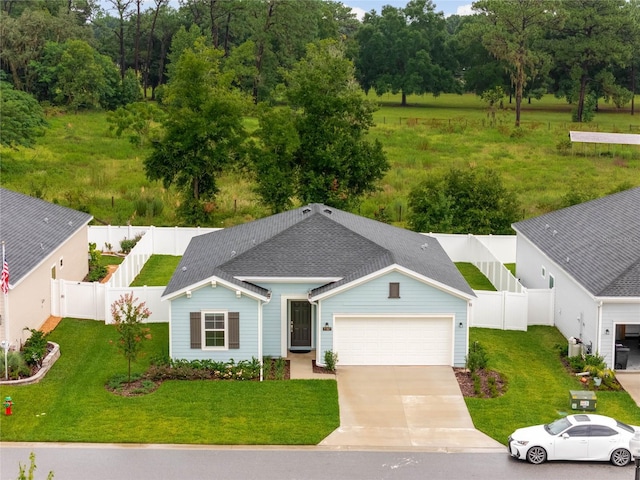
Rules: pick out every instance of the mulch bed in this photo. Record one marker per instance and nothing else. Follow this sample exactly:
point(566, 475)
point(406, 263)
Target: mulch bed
point(319, 369)
point(468, 388)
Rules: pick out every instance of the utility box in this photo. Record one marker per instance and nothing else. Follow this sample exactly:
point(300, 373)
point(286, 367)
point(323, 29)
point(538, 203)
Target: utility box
point(582, 400)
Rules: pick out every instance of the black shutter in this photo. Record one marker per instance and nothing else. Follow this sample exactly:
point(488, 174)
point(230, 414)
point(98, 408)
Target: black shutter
point(196, 333)
point(394, 290)
point(234, 330)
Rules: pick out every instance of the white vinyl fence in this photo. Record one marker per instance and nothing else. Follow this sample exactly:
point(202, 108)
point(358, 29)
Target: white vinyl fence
point(512, 307)
point(92, 300)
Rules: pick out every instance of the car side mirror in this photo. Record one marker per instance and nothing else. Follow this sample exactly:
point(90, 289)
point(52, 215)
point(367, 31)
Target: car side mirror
point(565, 435)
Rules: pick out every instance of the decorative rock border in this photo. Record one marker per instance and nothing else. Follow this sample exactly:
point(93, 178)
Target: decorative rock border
point(47, 363)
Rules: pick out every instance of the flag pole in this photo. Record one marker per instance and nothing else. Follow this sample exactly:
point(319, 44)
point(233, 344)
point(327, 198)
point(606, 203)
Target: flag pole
point(5, 318)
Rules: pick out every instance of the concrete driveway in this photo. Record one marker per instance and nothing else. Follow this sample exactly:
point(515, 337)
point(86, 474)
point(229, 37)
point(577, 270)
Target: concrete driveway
point(404, 406)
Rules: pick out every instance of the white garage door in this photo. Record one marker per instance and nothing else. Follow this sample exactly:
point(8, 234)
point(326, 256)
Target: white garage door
point(390, 340)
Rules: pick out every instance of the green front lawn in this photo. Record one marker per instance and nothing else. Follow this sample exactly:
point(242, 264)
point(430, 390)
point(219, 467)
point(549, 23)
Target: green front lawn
point(72, 405)
point(538, 384)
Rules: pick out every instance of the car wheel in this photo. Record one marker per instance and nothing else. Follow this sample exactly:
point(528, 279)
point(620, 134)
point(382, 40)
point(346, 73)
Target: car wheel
point(621, 457)
point(537, 455)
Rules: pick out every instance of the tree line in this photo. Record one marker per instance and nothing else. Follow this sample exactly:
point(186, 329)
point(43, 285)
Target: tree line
point(582, 50)
point(300, 67)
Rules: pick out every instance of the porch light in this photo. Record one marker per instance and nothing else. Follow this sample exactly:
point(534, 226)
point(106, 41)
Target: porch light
point(188, 293)
point(460, 325)
point(238, 293)
point(606, 332)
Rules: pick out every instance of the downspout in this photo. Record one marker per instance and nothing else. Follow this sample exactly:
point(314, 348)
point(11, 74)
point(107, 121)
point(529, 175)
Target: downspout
point(599, 329)
point(318, 330)
point(260, 339)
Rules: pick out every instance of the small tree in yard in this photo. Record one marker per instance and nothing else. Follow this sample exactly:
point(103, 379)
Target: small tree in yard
point(128, 316)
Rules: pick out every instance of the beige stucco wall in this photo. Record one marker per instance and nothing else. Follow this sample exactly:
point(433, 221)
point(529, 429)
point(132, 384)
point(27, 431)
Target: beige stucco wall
point(29, 302)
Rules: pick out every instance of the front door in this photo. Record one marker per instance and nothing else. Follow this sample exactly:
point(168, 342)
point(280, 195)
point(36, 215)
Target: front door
point(300, 325)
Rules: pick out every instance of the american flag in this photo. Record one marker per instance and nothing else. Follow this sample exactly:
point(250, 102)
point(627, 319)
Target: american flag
point(5, 273)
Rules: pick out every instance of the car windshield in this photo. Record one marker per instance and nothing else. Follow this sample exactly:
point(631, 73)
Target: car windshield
point(554, 428)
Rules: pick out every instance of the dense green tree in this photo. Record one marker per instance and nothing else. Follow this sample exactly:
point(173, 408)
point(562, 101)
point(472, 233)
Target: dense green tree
point(595, 37)
point(511, 32)
point(274, 157)
point(203, 130)
point(479, 70)
point(405, 50)
point(23, 38)
point(75, 75)
point(335, 163)
point(22, 118)
point(463, 201)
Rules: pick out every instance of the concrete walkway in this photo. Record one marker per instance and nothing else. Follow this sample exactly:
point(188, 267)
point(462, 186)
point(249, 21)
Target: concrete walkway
point(631, 383)
point(401, 407)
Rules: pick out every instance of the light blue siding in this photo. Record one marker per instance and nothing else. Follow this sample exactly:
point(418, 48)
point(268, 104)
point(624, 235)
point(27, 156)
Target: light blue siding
point(415, 298)
point(219, 298)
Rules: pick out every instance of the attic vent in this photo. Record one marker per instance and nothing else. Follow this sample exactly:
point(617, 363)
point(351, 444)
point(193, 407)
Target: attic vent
point(327, 211)
point(305, 210)
point(424, 246)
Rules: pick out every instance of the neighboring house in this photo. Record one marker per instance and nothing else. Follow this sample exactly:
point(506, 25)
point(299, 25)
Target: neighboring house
point(590, 255)
point(42, 241)
point(318, 278)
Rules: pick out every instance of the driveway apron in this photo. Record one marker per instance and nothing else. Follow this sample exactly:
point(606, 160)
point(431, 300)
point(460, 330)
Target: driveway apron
point(404, 406)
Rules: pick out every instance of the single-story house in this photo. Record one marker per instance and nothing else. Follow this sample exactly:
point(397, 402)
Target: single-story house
point(590, 255)
point(42, 241)
point(321, 279)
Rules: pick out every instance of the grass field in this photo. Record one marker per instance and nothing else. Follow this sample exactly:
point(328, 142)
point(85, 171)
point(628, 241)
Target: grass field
point(72, 404)
point(79, 163)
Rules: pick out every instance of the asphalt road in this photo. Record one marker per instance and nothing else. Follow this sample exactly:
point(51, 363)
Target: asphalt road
point(159, 462)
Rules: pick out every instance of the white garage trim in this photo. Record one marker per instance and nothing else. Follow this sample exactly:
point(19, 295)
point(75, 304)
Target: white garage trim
point(394, 339)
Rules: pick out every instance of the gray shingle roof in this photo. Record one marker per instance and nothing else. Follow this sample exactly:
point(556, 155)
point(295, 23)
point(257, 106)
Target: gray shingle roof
point(32, 229)
point(596, 242)
point(315, 241)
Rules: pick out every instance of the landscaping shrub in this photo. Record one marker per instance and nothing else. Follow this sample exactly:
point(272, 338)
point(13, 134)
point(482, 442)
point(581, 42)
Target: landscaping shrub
point(16, 365)
point(330, 360)
point(477, 358)
point(205, 370)
point(127, 244)
point(35, 348)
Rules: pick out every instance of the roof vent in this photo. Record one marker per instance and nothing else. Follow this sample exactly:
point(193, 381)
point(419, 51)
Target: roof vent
point(424, 246)
point(554, 233)
point(46, 219)
point(546, 226)
point(567, 259)
point(184, 269)
point(305, 211)
point(233, 253)
point(327, 211)
point(70, 223)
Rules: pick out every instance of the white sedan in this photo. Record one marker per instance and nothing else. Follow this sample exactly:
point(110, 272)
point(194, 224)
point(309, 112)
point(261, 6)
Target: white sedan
point(575, 437)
